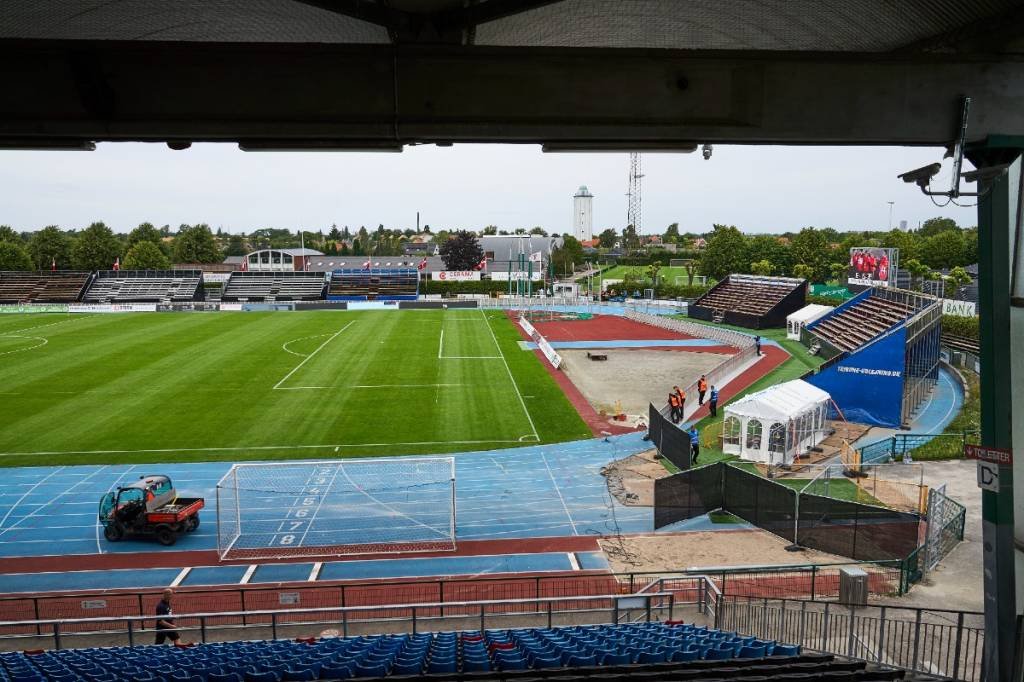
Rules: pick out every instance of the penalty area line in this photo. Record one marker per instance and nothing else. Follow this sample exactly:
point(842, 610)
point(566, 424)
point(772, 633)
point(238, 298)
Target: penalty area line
point(310, 356)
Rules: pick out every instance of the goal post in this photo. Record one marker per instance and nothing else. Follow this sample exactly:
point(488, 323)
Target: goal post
point(269, 510)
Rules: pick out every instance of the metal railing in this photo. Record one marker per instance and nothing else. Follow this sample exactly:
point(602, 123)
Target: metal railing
point(899, 445)
point(704, 331)
point(408, 617)
point(936, 642)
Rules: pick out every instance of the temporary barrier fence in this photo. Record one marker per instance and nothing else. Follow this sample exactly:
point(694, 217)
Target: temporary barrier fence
point(902, 445)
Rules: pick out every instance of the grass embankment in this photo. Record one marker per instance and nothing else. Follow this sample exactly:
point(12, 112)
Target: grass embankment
point(968, 421)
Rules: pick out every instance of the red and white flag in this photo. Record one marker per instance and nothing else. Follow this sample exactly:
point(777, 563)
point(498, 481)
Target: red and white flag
point(422, 265)
point(53, 265)
point(245, 265)
point(482, 264)
point(117, 263)
point(366, 265)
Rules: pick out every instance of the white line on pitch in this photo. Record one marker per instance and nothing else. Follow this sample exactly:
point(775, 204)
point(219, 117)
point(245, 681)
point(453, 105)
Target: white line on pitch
point(285, 345)
point(308, 357)
point(253, 447)
point(559, 491)
point(440, 345)
point(514, 384)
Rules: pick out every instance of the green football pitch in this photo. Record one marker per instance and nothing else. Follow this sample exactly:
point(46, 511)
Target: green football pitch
point(206, 386)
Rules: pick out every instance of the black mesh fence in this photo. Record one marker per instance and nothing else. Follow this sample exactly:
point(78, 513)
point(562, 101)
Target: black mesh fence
point(858, 531)
point(672, 442)
point(764, 503)
point(687, 494)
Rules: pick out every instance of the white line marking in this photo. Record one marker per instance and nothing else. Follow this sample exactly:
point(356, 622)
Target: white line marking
point(254, 447)
point(440, 345)
point(27, 493)
point(387, 506)
point(323, 496)
point(318, 349)
point(181, 576)
point(248, 574)
point(573, 561)
point(514, 384)
point(284, 346)
point(559, 491)
point(46, 504)
point(21, 336)
point(314, 575)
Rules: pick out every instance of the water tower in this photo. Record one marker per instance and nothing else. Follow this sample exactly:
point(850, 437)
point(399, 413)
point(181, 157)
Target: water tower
point(583, 214)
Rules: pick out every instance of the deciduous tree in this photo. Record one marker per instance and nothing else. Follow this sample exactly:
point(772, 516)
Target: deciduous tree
point(14, 256)
point(811, 247)
point(196, 244)
point(607, 238)
point(145, 255)
point(762, 267)
point(48, 246)
point(96, 248)
point(725, 253)
point(461, 251)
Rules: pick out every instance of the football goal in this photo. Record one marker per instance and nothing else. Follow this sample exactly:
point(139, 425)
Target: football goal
point(335, 507)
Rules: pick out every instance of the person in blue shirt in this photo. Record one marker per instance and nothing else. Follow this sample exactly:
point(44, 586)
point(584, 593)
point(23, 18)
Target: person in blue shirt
point(713, 402)
point(694, 444)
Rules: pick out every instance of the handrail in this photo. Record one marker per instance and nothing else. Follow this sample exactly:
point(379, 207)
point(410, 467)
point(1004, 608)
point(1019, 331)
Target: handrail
point(337, 609)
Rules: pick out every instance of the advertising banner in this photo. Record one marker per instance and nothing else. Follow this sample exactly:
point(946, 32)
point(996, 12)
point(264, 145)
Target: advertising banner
point(112, 308)
point(231, 306)
point(527, 327)
point(35, 308)
point(216, 276)
point(520, 276)
point(872, 267)
point(456, 276)
point(554, 358)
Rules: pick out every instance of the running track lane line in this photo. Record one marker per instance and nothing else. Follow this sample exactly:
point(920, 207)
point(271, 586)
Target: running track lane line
point(308, 357)
point(559, 491)
point(96, 521)
point(512, 378)
point(29, 492)
point(46, 504)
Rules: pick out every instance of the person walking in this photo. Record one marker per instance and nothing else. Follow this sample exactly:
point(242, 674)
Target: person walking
point(713, 402)
point(673, 405)
point(694, 444)
point(702, 388)
point(757, 342)
point(164, 621)
point(681, 395)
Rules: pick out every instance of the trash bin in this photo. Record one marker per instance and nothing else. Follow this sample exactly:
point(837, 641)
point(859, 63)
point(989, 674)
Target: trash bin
point(853, 586)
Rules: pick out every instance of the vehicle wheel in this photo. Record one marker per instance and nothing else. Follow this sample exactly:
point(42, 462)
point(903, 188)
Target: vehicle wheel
point(165, 535)
point(113, 532)
point(193, 523)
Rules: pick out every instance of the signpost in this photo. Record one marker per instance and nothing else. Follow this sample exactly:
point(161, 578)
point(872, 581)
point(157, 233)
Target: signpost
point(989, 461)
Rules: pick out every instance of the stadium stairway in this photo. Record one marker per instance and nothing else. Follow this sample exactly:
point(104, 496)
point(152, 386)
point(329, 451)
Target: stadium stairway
point(648, 651)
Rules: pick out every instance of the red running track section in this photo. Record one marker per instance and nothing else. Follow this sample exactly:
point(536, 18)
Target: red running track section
point(771, 357)
point(603, 328)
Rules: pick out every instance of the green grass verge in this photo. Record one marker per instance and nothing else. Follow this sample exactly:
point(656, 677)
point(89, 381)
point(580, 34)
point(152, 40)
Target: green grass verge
point(238, 386)
point(968, 420)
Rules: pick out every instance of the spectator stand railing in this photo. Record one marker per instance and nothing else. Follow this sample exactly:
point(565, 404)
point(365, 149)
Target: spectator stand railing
point(410, 617)
point(937, 642)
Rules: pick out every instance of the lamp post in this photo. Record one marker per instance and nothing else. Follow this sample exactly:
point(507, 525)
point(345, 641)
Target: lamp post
point(890, 214)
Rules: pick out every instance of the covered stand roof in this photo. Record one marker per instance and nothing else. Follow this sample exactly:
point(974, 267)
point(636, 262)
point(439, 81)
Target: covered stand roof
point(780, 402)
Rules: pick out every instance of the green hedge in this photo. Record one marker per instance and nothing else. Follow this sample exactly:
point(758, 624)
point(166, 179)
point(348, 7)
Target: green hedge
point(961, 326)
point(823, 300)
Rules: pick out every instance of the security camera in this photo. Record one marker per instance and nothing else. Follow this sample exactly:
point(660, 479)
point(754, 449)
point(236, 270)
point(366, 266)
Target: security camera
point(922, 176)
point(706, 151)
point(985, 173)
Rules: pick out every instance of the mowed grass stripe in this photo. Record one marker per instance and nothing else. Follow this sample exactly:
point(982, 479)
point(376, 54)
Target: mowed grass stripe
point(200, 382)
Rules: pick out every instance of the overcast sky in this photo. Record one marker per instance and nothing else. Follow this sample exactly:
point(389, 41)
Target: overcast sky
point(758, 189)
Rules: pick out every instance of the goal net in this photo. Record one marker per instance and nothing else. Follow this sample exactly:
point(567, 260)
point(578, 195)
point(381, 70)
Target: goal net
point(354, 506)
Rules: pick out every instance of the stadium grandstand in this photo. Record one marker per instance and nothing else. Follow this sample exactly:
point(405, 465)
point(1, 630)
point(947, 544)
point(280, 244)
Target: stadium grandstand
point(145, 286)
point(374, 284)
point(751, 301)
point(274, 286)
point(883, 349)
point(42, 286)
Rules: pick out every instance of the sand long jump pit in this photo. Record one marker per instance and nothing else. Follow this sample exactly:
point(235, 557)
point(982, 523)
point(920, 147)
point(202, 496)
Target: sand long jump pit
point(634, 377)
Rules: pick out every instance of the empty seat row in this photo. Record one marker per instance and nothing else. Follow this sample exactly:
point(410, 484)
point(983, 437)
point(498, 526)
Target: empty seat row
point(852, 327)
point(142, 286)
point(754, 297)
point(42, 287)
point(277, 286)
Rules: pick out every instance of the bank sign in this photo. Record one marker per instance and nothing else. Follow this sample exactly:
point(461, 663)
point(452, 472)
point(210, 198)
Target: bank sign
point(959, 308)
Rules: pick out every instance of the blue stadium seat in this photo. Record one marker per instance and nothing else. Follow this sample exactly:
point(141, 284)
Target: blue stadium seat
point(615, 659)
point(785, 650)
point(254, 676)
point(752, 652)
point(719, 654)
point(300, 675)
point(224, 677)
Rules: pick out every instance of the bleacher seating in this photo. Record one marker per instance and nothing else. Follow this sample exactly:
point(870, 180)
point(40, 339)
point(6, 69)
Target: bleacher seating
point(274, 286)
point(852, 327)
point(754, 296)
point(42, 287)
point(648, 650)
point(375, 284)
point(145, 286)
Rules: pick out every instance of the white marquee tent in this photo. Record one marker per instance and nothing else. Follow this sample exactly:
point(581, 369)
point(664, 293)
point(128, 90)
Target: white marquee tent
point(776, 424)
point(803, 317)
